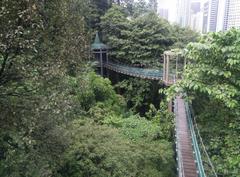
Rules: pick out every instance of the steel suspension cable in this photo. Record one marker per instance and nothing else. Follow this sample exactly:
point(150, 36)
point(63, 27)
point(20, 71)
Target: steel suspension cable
point(201, 141)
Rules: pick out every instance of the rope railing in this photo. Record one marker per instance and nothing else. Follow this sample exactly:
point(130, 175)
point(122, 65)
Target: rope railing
point(141, 72)
point(208, 165)
point(132, 67)
point(134, 71)
point(196, 149)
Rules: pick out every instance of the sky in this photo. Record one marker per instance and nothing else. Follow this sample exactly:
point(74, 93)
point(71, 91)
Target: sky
point(171, 5)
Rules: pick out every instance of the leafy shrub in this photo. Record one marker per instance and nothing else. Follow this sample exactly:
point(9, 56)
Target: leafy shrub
point(102, 151)
point(93, 89)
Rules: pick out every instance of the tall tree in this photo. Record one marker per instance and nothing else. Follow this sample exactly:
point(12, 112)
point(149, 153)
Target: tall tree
point(213, 68)
point(139, 8)
point(212, 80)
point(141, 39)
point(184, 36)
point(96, 9)
point(40, 41)
point(153, 4)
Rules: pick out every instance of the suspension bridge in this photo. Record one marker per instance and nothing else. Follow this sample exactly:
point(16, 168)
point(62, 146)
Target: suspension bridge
point(189, 152)
point(151, 74)
point(189, 158)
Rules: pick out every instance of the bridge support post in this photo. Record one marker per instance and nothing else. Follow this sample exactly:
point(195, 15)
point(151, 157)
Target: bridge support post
point(100, 51)
point(170, 106)
point(107, 70)
point(108, 75)
point(107, 57)
point(166, 68)
point(101, 62)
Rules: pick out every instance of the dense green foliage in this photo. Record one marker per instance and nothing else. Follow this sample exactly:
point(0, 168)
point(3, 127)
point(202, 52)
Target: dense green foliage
point(105, 141)
point(183, 36)
point(57, 117)
point(143, 36)
point(142, 39)
point(102, 151)
point(140, 94)
point(35, 39)
point(211, 79)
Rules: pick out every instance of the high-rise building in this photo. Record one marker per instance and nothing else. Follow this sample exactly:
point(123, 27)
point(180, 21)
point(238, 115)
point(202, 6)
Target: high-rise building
point(196, 21)
point(196, 15)
point(205, 17)
point(189, 14)
point(195, 6)
point(228, 15)
point(213, 14)
point(221, 15)
point(210, 16)
point(163, 13)
point(183, 12)
point(232, 14)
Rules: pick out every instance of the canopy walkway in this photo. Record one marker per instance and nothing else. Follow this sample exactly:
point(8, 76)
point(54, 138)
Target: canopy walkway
point(185, 157)
point(151, 74)
point(190, 156)
point(189, 159)
point(143, 73)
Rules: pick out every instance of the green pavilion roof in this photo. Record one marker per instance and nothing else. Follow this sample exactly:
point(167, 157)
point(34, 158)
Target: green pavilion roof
point(98, 44)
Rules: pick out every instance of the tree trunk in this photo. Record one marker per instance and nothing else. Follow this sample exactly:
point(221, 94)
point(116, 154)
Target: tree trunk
point(3, 66)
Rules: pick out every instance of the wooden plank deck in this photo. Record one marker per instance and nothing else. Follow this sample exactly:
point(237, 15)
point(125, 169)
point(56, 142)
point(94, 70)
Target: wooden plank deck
point(184, 141)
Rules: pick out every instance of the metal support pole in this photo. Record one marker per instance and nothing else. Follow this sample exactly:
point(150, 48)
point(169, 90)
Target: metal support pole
point(170, 106)
point(176, 72)
point(101, 62)
point(164, 68)
point(107, 56)
point(167, 69)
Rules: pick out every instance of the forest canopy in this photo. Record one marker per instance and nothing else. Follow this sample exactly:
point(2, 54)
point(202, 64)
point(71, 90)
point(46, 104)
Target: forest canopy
point(57, 116)
point(60, 118)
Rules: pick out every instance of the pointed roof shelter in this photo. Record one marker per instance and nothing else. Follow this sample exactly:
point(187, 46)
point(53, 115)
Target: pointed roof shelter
point(100, 52)
point(97, 45)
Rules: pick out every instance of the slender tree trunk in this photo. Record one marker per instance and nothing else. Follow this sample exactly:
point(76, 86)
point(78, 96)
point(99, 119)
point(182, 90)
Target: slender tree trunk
point(3, 66)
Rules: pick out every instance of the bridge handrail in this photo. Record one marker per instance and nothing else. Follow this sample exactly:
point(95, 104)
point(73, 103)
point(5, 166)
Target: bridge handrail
point(129, 66)
point(144, 72)
point(197, 154)
point(150, 73)
point(132, 65)
point(202, 144)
